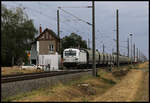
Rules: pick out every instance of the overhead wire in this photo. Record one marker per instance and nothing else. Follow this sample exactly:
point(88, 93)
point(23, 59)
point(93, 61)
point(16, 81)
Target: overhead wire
point(75, 16)
point(70, 14)
point(69, 24)
point(102, 34)
point(76, 27)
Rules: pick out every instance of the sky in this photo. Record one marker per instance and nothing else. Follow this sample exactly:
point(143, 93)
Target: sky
point(133, 18)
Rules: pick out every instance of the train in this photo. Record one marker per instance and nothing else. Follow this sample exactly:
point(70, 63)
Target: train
point(73, 57)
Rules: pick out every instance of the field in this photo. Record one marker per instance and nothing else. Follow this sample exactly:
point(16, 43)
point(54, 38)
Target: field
point(16, 70)
point(133, 85)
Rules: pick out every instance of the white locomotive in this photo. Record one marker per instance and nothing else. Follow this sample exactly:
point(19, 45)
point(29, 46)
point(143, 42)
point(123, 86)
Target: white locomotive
point(83, 58)
point(74, 57)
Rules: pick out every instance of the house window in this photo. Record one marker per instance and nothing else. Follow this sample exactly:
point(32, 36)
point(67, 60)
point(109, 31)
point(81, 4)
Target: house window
point(51, 47)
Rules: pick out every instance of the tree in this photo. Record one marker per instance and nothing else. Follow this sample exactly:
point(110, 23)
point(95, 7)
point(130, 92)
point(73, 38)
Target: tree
point(17, 33)
point(73, 40)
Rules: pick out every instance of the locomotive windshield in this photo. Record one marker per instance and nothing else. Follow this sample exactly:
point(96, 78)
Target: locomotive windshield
point(70, 53)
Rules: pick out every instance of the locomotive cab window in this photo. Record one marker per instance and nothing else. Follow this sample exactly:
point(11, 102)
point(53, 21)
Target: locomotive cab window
point(70, 53)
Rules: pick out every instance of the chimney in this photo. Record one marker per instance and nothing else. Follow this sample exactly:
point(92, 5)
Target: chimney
point(40, 29)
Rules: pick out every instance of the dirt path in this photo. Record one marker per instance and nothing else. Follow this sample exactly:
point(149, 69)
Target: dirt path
point(129, 89)
point(143, 91)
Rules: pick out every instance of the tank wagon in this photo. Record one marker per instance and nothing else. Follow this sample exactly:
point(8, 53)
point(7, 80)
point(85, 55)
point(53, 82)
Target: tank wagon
point(83, 58)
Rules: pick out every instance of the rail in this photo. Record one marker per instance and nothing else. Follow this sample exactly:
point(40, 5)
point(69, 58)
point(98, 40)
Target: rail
point(20, 77)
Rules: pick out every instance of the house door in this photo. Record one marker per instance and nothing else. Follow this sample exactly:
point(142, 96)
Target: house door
point(33, 61)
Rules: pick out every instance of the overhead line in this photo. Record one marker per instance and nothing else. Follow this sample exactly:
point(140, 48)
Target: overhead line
point(75, 16)
point(103, 36)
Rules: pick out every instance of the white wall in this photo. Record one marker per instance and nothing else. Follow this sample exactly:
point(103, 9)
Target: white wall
point(52, 59)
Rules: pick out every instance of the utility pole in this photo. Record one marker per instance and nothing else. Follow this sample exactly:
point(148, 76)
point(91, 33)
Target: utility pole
point(103, 48)
point(12, 60)
point(58, 30)
point(112, 50)
point(128, 46)
point(131, 48)
point(93, 38)
point(88, 43)
point(134, 52)
point(117, 36)
point(137, 54)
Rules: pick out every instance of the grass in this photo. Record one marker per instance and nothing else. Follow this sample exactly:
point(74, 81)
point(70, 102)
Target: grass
point(73, 90)
point(108, 81)
point(16, 70)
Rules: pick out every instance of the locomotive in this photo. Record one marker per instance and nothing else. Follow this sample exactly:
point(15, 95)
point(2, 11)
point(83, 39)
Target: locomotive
point(73, 57)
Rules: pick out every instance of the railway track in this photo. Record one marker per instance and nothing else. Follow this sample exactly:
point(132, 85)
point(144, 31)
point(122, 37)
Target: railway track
point(28, 76)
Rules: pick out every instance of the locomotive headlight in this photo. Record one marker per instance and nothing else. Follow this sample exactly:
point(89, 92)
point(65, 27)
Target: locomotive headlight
point(76, 58)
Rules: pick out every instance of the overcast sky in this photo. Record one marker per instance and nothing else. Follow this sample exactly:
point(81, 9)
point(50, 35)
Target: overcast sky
point(133, 18)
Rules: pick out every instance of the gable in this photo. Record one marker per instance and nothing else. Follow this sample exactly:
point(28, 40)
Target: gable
point(47, 34)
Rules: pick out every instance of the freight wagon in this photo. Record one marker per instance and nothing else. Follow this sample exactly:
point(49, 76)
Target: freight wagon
point(83, 58)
